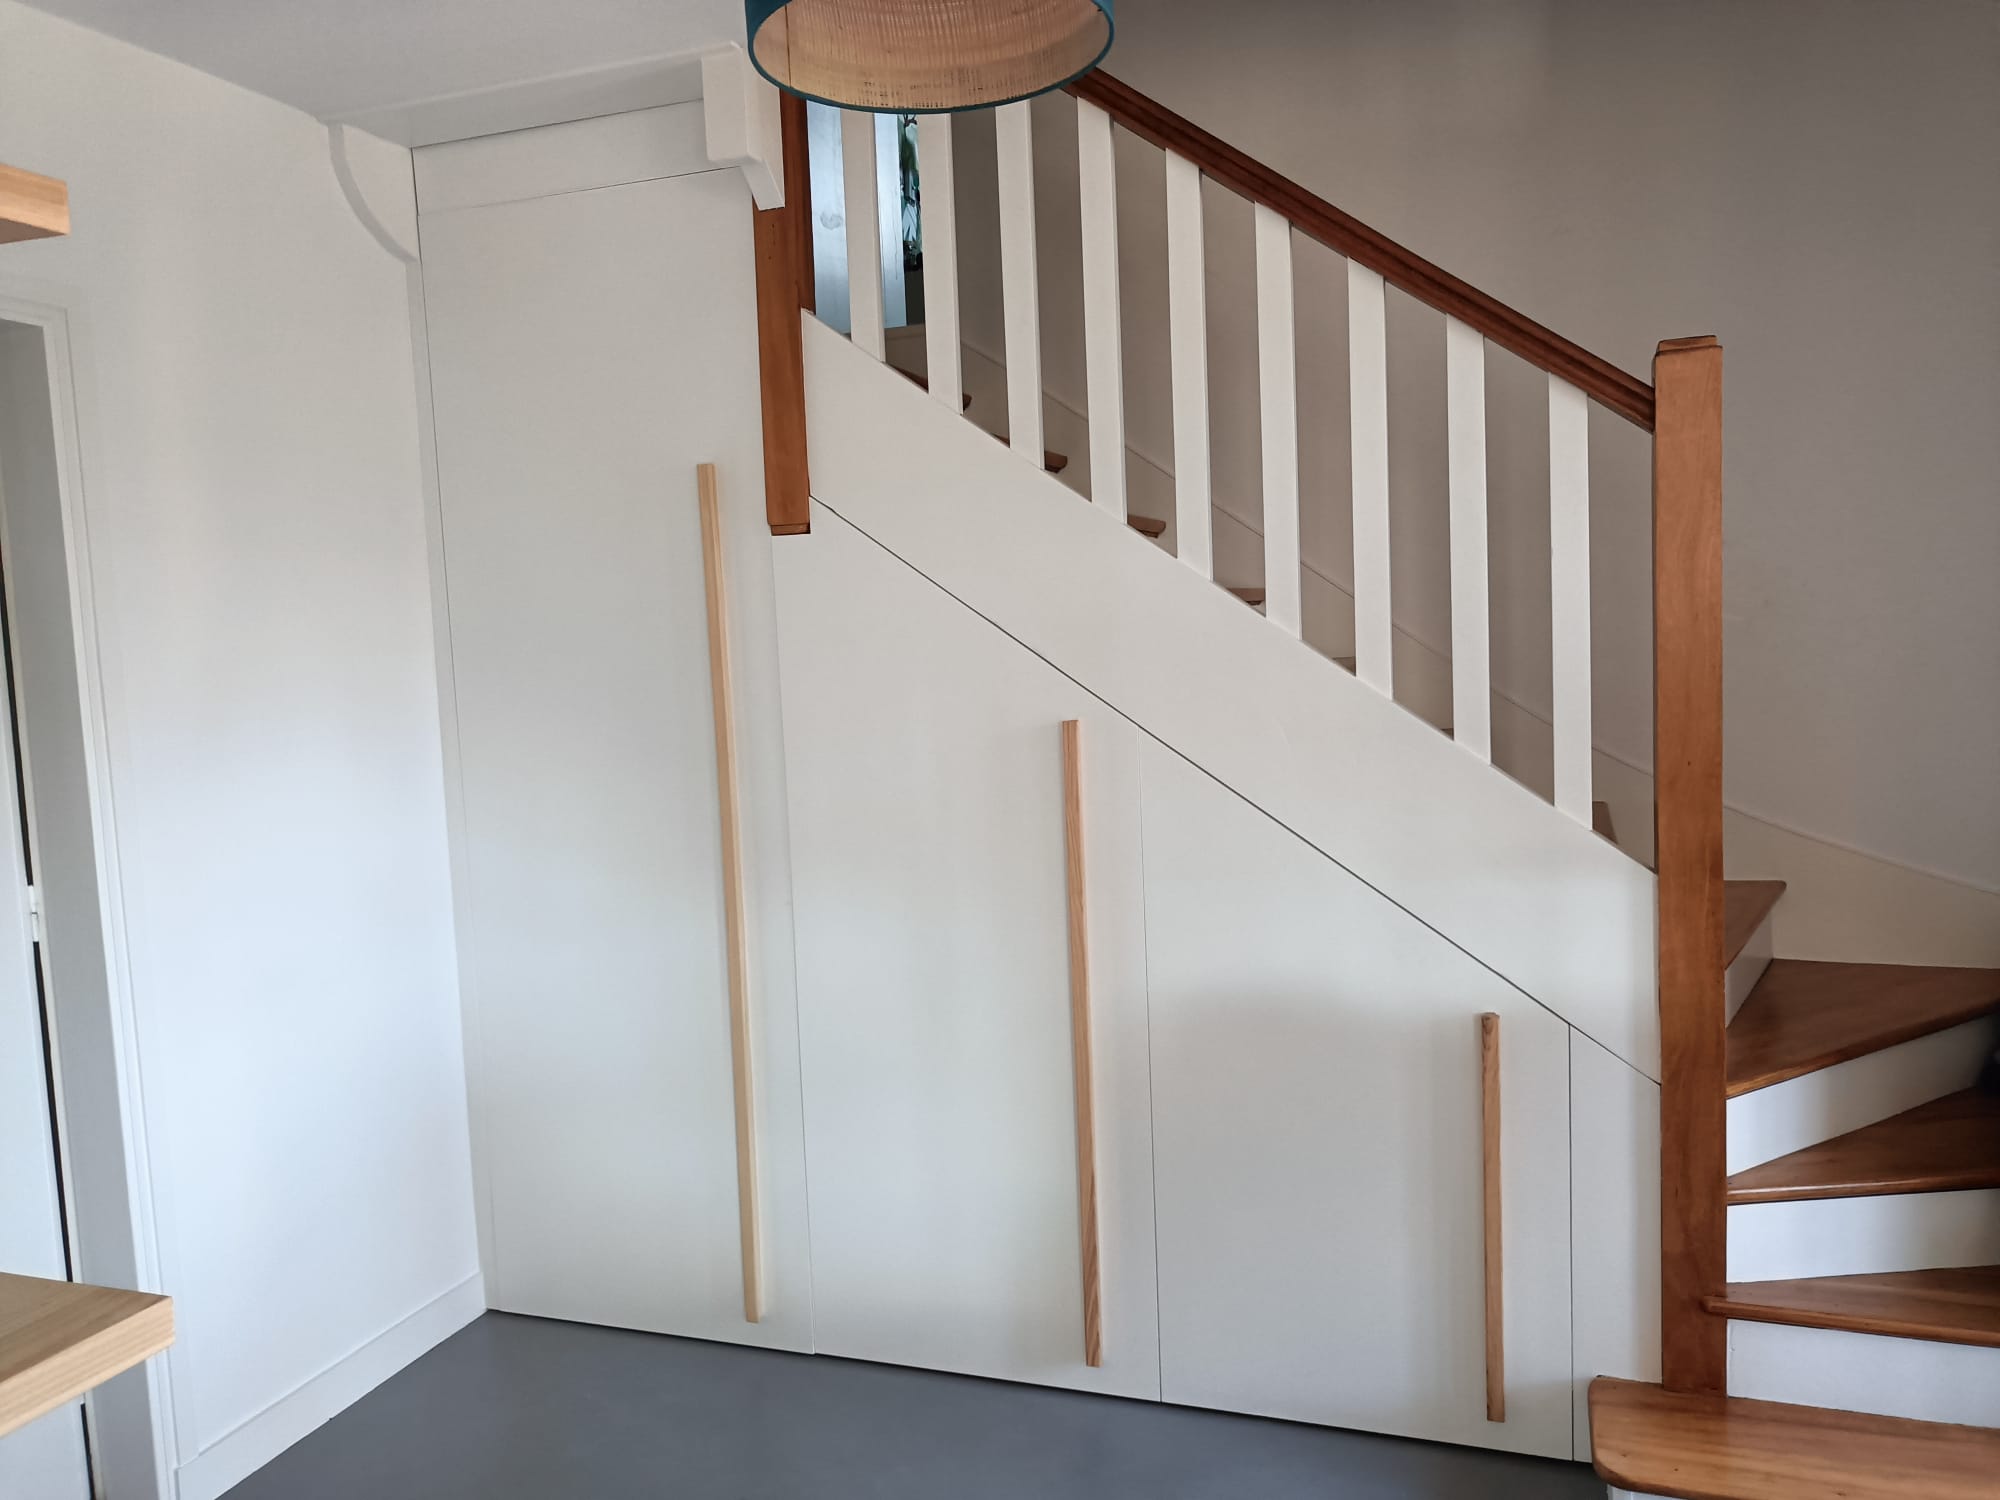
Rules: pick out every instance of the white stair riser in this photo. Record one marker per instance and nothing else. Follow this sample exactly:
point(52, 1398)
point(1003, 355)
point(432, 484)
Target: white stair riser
point(1892, 1377)
point(1805, 1111)
point(1854, 1236)
point(1741, 976)
point(1618, 1494)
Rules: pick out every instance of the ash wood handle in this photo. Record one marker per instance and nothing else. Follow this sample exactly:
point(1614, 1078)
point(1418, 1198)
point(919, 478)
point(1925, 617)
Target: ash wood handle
point(1082, 1066)
point(1496, 1291)
point(735, 927)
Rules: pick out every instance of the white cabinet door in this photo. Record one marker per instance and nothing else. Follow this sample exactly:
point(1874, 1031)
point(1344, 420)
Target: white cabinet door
point(1316, 1101)
point(925, 773)
point(588, 350)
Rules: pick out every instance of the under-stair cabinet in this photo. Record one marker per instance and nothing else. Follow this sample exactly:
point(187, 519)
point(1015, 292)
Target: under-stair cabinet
point(1068, 1064)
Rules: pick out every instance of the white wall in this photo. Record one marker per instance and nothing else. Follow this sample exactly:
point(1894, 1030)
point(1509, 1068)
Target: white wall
point(1806, 180)
point(251, 485)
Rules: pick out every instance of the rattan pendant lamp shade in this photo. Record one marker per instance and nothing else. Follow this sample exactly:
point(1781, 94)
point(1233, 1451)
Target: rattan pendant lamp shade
point(925, 55)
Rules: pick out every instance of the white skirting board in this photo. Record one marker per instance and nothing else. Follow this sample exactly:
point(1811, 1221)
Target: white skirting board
point(232, 1458)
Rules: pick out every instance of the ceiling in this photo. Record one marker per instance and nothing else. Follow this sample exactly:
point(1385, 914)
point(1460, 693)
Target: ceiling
point(344, 58)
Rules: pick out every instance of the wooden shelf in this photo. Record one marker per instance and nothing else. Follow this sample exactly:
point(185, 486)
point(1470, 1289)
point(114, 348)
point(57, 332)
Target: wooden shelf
point(1947, 1145)
point(59, 1339)
point(1805, 1016)
point(1959, 1306)
point(1689, 1447)
point(32, 207)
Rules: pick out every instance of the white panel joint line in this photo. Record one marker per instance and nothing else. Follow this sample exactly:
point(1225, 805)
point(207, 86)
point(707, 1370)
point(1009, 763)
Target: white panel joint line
point(1083, 1066)
point(1019, 279)
point(1368, 397)
point(1569, 602)
point(1465, 402)
point(864, 248)
point(735, 917)
point(1187, 319)
point(1278, 385)
point(943, 358)
point(1104, 360)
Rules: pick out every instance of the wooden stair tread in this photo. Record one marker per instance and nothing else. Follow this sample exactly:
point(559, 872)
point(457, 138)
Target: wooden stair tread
point(1745, 904)
point(1600, 822)
point(922, 382)
point(1957, 1306)
point(1248, 594)
point(59, 1339)
point(1947, 1145)
point(1148, 525)
point(1806, 1015)
point(1693, 1447)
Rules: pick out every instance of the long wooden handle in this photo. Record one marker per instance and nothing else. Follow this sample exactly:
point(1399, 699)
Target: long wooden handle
point(734, 923)
point(1496, 1299)
point(1081, 1065)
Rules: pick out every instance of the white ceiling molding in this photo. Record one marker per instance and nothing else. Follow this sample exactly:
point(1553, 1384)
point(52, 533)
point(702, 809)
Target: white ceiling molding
point(740, 110)
point(648, 83)
point(376, 177)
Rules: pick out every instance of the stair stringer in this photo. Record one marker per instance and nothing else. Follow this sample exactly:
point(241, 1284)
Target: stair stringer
point(1539, 899)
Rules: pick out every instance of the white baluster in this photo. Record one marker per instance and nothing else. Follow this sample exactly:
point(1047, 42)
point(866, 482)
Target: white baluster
point(1104, 360)
point(1569, 600)
point(864, 240)
point(942, 354)
point(1187, 322)
point(1019, 280)
point(1465, 405)
point(1368, 406)
point(1278, 385)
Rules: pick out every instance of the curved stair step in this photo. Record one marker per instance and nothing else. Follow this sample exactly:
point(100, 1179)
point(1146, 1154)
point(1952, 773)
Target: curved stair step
point(1147, 525)
point(1745, 905)
point(922, 383)
point(1948, 1145)
point(1250, 595)
point(1805, 1015)
point(1957, 1306)
point(1690, 1447)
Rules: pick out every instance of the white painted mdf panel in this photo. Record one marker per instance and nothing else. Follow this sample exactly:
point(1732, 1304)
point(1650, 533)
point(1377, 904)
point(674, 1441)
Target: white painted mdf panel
point(1614, 1223)
point(1316, 1105)
point(576, 386)
point(924, 764)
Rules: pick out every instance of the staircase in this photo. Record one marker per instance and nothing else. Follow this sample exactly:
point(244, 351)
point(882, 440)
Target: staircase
point(1828, 1169)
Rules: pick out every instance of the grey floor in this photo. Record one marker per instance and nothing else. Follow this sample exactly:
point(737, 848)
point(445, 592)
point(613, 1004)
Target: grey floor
point(524, 1409)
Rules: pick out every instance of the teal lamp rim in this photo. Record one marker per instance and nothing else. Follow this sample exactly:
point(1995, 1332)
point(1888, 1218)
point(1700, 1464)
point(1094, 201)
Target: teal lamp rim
point(757, 12)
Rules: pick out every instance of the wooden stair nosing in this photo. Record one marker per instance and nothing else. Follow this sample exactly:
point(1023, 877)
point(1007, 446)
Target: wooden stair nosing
point(1956, 1306)
point(1745, 905)
point(1250, 594)
point(1948, 1145)
point(1806, 1015)
point(1698, 1447)
point(1146, 525)
point(923, 383)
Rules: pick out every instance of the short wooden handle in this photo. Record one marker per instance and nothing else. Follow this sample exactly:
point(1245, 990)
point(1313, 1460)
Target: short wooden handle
point(1081, 1065)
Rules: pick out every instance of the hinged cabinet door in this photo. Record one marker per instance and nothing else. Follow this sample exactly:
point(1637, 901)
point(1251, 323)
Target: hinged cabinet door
point(1318, 1143)
point(925, 765)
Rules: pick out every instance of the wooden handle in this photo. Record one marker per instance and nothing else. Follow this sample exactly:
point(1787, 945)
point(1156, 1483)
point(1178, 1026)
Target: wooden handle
point(1079, 1024)
point(734, 925)
point(1496, 1297)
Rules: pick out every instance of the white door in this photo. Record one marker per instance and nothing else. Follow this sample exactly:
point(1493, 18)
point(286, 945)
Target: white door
point(1317, 1145)
point(44, 1460)
point(588, 349)
point(925, 767)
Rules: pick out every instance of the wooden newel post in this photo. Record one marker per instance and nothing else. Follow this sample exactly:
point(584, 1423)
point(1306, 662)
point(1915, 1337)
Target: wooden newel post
point(783, 238)
point(1687, 757)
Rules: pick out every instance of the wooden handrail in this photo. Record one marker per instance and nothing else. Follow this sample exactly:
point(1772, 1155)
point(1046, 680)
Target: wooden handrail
point(1687, 760)
point(1312, 215)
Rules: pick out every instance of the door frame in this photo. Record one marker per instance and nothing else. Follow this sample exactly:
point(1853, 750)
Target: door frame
point(107, 1161)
